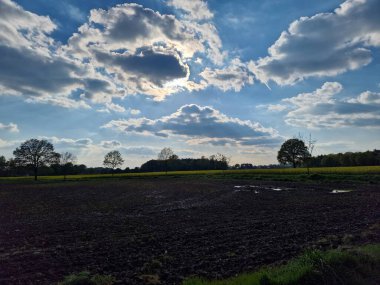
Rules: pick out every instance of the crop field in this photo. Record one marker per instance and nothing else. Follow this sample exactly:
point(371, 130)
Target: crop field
point(374, 171)
point(164, 230)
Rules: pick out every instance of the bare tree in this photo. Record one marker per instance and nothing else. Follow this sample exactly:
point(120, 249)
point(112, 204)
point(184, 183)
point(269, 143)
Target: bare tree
point(36, 153)
point(221, 160)
point(166, 154)
point(66, 160)
point(113, 159)
point(310, 143)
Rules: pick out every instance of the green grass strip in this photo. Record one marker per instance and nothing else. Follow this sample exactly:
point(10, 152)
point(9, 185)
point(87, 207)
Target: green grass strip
point(357, 170)
point(355, 266)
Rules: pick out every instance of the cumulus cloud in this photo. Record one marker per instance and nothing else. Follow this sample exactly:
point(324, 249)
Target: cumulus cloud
point(135, 112)
point(124, 50)
point(69, 142)
point(320, 109)
point(325, 44)
point(143, 51)
point(8, 144)
point(273, 107)
point(195, 9)
point(110, 144)
point(11, 127)
point(34, 28)
point(232, 77)
point(32, 64)
point(200, 125)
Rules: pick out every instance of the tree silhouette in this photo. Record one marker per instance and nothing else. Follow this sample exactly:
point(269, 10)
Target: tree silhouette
point(3, 164)
point(166, 154)
point(66, 160)
point(113, 159)
point(293, 151)
point(36, 153)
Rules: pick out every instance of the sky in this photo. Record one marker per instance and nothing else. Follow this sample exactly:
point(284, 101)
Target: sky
point(201, 77)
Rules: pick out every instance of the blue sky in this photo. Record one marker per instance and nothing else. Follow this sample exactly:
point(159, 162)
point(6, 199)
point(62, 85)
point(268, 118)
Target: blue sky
point(201, 77)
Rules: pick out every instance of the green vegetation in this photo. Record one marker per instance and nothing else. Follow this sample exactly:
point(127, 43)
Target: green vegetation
point(355, 266)
point(85, 278)
point(363, 173)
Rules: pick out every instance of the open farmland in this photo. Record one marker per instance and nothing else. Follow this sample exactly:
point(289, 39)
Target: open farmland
point(172, 228)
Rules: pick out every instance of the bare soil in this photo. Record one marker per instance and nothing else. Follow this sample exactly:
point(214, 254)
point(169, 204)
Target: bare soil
point(164, 230)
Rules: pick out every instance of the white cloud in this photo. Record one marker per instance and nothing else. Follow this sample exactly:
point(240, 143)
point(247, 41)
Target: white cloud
point(325, 44)
point(232, 77)
point(11, 127)
point(23, 29)
point(199, 125)
point(276, 107)
point(320, 109)
point(115, 107)
point(135, 112)
point(195, 9)
point(69, 142)
point(7, 144)
point(58, 100)
point(321, 95)
point(367, 98)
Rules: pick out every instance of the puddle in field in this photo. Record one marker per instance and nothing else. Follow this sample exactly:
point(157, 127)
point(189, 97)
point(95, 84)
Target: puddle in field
point(336, 191)
point(250, 188)
point(277, 189)
point(246, 188)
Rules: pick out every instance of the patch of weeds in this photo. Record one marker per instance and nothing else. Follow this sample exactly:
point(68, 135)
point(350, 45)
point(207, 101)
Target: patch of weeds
point(348, 239)
point(85, 278)
point(316, 176)
point(330, 241)
point(231, 254)
point(372, 232)
point(152, 279)
point(153, 266)
point(350, 267)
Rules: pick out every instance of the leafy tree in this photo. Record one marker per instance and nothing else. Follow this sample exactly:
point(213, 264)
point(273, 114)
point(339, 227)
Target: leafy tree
point(113, 159)
point(66, 162)
point(293, 151)
point(36, 153)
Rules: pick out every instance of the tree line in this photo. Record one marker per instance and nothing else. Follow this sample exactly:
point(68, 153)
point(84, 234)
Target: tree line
point(38, 157)
point(366, 158)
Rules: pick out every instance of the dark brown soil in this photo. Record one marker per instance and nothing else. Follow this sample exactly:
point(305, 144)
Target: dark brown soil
point(171, 228)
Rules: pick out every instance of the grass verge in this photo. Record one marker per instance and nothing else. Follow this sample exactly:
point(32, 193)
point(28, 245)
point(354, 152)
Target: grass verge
point(355, 266)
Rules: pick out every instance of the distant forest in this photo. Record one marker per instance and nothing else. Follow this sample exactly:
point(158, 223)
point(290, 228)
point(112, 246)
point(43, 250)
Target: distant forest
point(367, 158)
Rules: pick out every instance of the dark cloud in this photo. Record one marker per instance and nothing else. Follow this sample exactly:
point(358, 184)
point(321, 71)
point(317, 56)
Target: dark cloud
point(132, 22)
point(157, 67)
point(26, 72)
